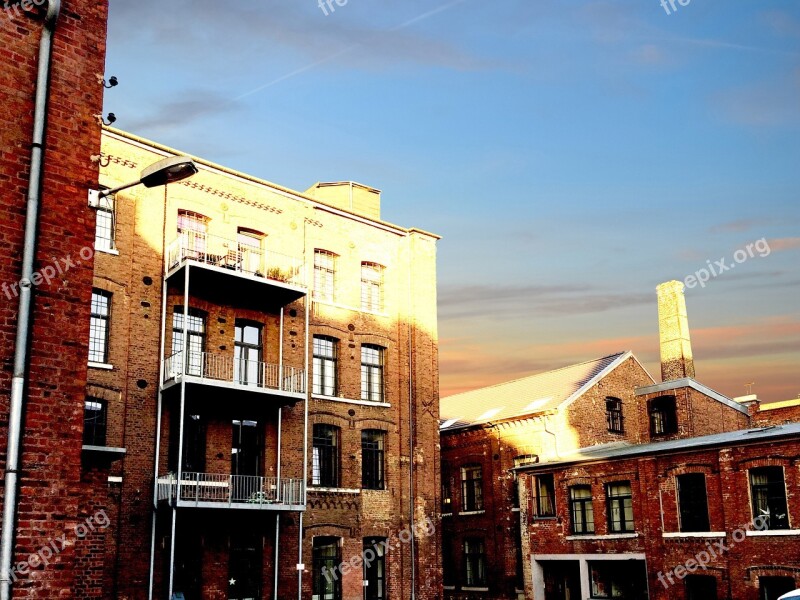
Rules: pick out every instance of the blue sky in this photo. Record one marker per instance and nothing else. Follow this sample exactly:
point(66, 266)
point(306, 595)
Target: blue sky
point(573, 154)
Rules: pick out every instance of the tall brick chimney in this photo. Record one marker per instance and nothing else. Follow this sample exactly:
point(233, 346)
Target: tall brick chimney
point(673, 329)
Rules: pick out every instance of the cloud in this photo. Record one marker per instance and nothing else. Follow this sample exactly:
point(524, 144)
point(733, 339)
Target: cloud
point(782, 23)
point(783, 244)
point(770, 103)
point(738, 226)
point(651, 55)
point(185, 109)
point(513, 301)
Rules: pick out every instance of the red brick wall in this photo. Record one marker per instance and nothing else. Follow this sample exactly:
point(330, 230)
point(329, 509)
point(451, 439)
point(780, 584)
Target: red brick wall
point(654, 497)
point(52, 497)
point(765, 415)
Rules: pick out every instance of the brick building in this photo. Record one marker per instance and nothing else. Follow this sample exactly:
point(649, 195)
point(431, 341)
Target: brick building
point(60, 485)
point(567, 484)
point(286, 421)
point(485, 433)
point(701, 507)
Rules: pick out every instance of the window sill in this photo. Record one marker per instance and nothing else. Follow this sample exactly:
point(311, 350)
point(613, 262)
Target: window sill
point(535, 518)
point(693, 534)
point(610, 536)
point(449, 587)
point(515, 509)
point(772, 532)
point(97, 365)
point(334, 490)
point(447, 515)
point(350, 401)
point(474, 589)
point(468, 513)
point(112, 251)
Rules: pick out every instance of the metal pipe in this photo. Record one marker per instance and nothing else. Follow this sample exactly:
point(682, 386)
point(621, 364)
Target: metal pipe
point(277, 554)
point(19, 381)
point(162, 342)
point(300, 558)
point(412, 547)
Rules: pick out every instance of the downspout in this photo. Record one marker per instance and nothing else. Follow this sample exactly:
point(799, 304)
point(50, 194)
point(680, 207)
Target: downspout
point(412, 498)
point(22, 346)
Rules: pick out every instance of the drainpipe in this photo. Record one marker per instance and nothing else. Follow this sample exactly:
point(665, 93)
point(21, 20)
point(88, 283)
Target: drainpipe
point(411, 442)
point(22, 348)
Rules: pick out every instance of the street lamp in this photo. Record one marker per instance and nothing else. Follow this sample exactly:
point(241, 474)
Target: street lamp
point(168, 170)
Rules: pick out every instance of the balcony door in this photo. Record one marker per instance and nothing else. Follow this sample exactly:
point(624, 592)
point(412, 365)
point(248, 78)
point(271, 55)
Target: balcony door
point(250, 251)
point(246, 449)
point(247, 353)
point(193, 230)
point(245, 566)
point(196, 332)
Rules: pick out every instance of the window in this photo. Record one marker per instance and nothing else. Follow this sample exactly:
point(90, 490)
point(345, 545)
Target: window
point(449, 569)
point(375, 570)
point(193, 231)
point(581, 509)
point(194, 443)
point(773, 587)
point(372, 373)
point(474, 563)
point(99, 326)
point(372, 452)
point(447, 490)
point(471, 488)
point(196, 332)
point(105, 224)
point(247, 354)
point(544, 502)
point(614, 415)
point(663, 419)
point(95, 420)
point(326, 361)
point(693, 502)
point(324, 275)
point(250, 253)
point(325, 459)
point(701, 587)
point(618, 579)
point(768, 495)
point(620, 507)
point(371, 287)
point(326, 579)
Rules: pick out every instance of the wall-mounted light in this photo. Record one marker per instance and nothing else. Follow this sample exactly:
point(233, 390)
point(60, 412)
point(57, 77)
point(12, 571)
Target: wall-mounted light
point(111, 118)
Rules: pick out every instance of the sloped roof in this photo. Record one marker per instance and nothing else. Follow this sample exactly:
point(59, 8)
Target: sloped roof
point(621, 450)
point(526, 396)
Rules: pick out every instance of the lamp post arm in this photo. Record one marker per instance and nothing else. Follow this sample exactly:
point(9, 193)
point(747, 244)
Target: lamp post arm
point(112, 191)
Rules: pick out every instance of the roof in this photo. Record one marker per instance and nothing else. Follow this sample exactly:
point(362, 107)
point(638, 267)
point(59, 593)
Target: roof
point(780, 404)
point(621, 450)
point(166, 150)
point(696, 385)
point(526, 396)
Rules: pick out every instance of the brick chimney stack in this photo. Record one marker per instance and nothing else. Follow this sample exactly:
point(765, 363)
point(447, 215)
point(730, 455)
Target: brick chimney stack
point(673, 329)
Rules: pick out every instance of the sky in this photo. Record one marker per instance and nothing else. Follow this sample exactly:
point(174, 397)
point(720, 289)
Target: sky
point(572, 155)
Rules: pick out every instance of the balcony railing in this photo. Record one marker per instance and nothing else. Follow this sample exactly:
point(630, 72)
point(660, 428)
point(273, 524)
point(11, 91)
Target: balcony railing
point(221, 367)
point(250, 490)
point(236, 256)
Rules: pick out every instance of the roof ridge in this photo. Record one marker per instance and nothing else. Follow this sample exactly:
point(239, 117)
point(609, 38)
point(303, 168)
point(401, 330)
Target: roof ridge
point(510, 381)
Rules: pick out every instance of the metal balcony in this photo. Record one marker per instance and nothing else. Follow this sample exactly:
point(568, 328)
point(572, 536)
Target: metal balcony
point(234, 270)
point(244, 492)
point(221, 370)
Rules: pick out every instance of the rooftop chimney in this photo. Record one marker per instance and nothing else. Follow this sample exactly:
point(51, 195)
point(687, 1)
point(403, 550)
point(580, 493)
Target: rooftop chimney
point(673, 329)
point(348, 195)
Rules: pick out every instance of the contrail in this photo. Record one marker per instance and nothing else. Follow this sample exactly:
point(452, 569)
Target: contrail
point(330, 57)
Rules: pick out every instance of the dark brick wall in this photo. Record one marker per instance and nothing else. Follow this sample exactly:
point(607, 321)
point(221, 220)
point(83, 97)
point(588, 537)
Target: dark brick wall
point(53, 499)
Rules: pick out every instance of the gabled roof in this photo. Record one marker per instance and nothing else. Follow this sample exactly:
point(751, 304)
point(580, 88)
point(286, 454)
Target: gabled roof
point(622, 450)
point(526, 396)
point(696, 385)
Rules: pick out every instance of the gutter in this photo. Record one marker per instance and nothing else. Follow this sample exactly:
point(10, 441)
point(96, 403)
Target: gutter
point(19, 381)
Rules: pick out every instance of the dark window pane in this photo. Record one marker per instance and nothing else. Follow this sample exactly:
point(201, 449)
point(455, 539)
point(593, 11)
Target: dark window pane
point(372, 459)
point(768, 494)
point(693, 502)
point(95, 420)
point(325, 457)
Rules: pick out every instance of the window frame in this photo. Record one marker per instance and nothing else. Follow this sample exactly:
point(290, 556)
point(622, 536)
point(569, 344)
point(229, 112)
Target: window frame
point(325, 275)
point(662, 412)
point(322, 364)
point(326, 456)
point(375, 570)
point(769, 490)
point(474, 563)
point(372, 284)
point(372, 374)
point(472, 488)
point(623, 503)
point(319, 562)
point(614, 418)
point(197, 337)
point(107, 208)
point(544, 506)
point(583, 506)
point(101, 424)
point(98, 321)
point(373, 454)
point(690, 509)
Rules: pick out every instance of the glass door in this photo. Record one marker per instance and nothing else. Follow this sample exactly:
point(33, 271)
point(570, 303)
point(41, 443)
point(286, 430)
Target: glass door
point(247, 353)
